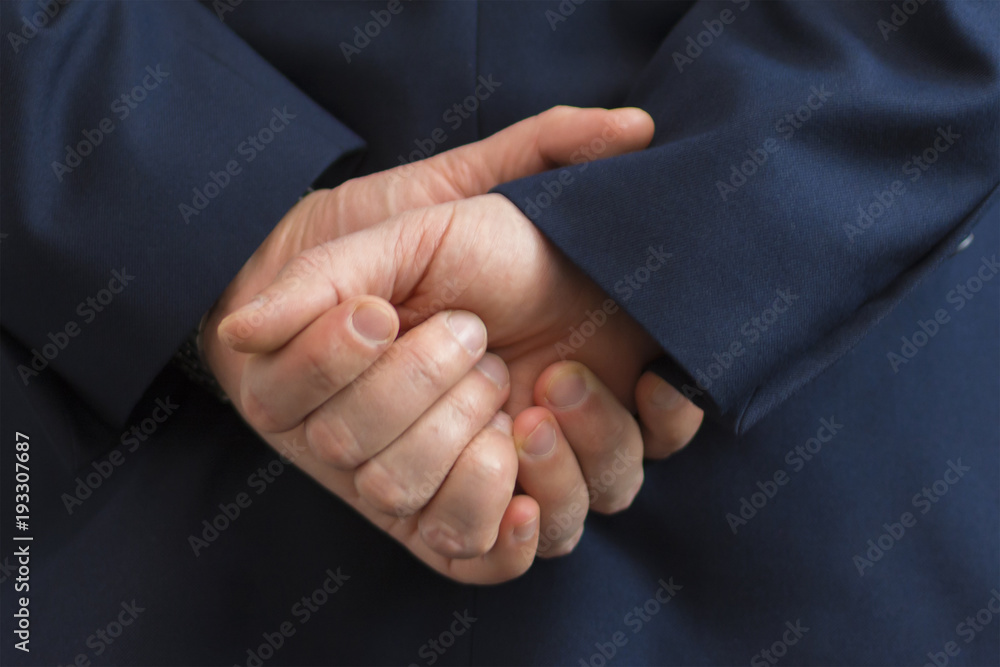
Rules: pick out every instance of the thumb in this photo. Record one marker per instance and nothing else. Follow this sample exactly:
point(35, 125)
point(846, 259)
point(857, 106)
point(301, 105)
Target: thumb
point(386, 260)
point(557, 137)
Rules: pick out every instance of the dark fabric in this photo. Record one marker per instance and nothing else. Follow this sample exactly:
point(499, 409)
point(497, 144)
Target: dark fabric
point(793, 560)
point(129, 461)
point(195, 94)
point(791, 227)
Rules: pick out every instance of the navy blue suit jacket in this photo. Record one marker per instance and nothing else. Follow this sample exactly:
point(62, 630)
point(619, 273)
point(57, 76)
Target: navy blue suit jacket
point(816, 173)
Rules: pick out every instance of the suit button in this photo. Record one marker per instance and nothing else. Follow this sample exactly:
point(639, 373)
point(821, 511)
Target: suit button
point(966, 242)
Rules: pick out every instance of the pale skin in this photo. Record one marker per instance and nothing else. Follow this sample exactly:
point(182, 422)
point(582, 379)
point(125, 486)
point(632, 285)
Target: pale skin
point(412, 430)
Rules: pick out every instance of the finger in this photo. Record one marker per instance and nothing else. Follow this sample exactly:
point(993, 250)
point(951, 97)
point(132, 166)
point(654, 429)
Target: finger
point(560, 136)
point(603, 434)
point(279, 389)
point(386, 260)
point(463, 519)
point(402, 478)
point(393, 393)
point(549, 472)
point(511, 555)
point(669, 420)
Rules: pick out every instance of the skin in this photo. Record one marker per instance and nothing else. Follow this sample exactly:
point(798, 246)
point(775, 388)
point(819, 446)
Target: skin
point(351, 352)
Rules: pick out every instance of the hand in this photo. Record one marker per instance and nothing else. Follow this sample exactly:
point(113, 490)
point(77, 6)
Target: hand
point(392, 265)
point(361, 201)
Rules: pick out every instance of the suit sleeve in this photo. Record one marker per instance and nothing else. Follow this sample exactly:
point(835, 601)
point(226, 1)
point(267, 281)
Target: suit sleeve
point(147, 152)
point(812, 161)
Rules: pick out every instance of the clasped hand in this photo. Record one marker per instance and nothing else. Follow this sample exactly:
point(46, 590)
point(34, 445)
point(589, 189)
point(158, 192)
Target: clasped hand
point(361, 327)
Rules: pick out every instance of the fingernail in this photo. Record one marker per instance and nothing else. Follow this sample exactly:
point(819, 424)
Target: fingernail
point(502, 422)
point(526, 531)
point(541, 441)
point(372, 323)
point(469, 330)
point(626, 116)
point(664, 397)
point(566, 389)
point(494, 368)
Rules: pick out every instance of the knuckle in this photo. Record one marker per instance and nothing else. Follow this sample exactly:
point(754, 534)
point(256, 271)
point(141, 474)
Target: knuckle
point(467, 537)
point(438, 531)
point(322, 371)
point(318, 199)
point(419, 240)
point(301, 266)
point(329, 202)
point(464, 408)
point(381, 362)
point(454, 174)
point(332, 441)
point(423, 370)
point(558, 112)
point(492, 469)
point(379, 487)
